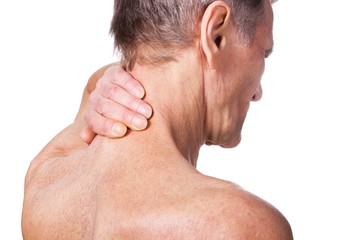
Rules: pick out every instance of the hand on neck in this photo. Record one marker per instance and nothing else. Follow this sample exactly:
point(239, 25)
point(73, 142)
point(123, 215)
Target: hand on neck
point(175, 91)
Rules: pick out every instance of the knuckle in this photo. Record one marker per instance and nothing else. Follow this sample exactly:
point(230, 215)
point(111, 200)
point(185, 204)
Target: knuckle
point(100, 126)
point(136, 104)
point(110, 70)
point(92, 98)
point(123, 115)
point(123, 79)
point(106, 79)
point(90, 124)
point(105, 127)
point(97, 123)
point(118, 95)
point(103, 107)
point(92, 128)
point(130, 83)
point(123, 98)
point(111, 92)
point(102, 80)
point(116, 77)
point(89, 118)
point(127, 117)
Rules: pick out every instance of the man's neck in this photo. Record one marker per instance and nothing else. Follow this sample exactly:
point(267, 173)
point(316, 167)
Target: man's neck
point(175, 92)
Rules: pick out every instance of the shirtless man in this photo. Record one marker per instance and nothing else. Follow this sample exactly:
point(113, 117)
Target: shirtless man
point(145, 186)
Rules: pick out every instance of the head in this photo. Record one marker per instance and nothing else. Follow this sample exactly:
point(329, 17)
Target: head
point(151, 31)
point(233, 36)
point(236, 67)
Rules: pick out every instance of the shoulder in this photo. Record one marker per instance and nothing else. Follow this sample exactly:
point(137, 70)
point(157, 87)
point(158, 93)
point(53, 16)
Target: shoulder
point(242, 215)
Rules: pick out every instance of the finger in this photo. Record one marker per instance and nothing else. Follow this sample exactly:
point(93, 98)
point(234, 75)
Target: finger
point(122, 97)
point(119, 113)
point(104, 126)
point(87, 135)
point(117, 75)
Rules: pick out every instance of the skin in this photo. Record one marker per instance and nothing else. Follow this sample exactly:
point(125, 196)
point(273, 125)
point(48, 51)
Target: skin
point(146, 186)
point(116, 92)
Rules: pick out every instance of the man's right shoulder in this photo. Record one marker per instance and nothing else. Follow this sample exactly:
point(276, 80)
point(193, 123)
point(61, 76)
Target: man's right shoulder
point(242, 215)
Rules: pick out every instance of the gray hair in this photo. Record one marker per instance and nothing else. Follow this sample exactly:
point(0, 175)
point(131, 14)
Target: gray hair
point(150, 31)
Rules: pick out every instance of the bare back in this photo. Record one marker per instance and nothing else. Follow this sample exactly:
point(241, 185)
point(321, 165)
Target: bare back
point(91, 195)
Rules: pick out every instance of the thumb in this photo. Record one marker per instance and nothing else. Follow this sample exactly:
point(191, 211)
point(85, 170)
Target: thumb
point(87, 135)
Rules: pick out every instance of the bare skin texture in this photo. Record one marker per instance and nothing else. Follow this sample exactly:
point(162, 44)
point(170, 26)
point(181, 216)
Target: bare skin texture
point(111, 105)
point(146, 186)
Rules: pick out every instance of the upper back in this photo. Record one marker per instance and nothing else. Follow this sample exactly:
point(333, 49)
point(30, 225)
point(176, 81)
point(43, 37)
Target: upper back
point(70, 198)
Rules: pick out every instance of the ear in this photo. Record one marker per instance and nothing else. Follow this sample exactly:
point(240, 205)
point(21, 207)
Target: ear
point(214, 27)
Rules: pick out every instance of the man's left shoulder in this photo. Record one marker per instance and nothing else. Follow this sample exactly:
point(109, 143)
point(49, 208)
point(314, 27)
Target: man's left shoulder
point(246, 216)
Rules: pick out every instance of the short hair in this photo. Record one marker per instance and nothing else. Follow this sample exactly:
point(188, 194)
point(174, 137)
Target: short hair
point(150, 31)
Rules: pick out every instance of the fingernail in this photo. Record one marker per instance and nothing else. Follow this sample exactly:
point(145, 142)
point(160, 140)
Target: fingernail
point(139, 92)
point(118, 130)
point(139, 123)
point(145, 110)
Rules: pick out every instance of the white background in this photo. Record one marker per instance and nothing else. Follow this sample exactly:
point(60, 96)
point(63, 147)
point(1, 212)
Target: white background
point(300, 144)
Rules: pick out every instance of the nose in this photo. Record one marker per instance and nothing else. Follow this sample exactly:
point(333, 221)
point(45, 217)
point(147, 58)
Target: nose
point(258, 94)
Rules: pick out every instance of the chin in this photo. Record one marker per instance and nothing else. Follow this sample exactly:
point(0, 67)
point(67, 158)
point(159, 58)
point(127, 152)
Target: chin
point(231, 143)
point(226, 144)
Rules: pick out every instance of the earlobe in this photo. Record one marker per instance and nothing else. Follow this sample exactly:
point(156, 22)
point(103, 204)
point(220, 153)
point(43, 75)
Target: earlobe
point(214, 26)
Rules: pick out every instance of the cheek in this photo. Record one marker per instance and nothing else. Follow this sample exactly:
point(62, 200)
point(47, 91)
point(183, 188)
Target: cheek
point(258, 68)
point(255, 76)
point(262, 68)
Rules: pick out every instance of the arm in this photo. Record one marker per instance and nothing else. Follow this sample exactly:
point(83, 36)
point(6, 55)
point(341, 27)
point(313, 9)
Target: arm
point(108, 90)
point(112, 104)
